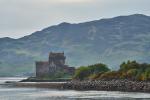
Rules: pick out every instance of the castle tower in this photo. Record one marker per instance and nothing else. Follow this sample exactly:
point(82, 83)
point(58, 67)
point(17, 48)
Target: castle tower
point(57, 59)
point(54, 65)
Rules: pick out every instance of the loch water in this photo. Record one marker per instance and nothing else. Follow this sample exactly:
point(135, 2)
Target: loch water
point(18, 93)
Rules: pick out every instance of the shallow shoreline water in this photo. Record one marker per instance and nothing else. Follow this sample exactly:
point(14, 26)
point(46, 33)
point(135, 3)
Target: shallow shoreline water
point(33, 93)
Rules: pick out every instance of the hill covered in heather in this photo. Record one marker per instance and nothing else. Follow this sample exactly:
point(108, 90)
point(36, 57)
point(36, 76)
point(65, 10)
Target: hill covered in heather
point(110, 41)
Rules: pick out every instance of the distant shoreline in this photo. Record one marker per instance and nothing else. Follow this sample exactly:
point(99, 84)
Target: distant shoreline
point(52, 85)
point(45, 80)
point(100, 85)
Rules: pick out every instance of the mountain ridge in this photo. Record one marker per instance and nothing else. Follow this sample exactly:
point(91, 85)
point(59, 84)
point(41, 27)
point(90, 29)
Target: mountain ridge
point(109, 41)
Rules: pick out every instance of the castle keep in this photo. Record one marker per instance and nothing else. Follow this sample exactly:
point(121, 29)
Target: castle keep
point(55, 64)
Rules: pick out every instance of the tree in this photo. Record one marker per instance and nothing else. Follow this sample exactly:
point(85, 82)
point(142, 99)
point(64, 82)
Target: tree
point(81, 73)
point(86, 72)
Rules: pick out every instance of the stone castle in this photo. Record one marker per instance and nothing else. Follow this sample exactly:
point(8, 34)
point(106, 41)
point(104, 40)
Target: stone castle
point(55, 64)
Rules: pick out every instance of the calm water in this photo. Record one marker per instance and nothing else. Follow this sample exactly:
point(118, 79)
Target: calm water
point(12, 93)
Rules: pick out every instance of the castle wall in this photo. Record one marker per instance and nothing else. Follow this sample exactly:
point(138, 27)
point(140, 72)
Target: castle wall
point(56, 63)
point(69, 70)
point(42, 69)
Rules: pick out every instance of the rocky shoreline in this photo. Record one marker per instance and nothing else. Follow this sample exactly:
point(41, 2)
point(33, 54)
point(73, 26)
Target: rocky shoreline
point(100, 85)
point(109, 85)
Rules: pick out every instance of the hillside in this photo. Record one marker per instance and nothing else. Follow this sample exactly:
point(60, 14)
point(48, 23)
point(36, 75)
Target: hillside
point(110, 41)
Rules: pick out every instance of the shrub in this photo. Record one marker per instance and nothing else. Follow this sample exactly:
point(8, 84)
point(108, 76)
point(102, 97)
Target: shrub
point(88, 72)
point(110, 75)
point(81, 73)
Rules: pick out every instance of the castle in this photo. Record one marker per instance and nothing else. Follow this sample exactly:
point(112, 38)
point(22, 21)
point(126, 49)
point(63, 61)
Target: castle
point(55, 64)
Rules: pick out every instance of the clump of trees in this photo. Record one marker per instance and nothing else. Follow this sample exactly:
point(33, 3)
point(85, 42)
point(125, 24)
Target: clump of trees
point(131, 70)
point(87, 72)
point(135, 71)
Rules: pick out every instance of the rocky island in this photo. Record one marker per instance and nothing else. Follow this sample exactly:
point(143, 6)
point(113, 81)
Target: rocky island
point(131, 77)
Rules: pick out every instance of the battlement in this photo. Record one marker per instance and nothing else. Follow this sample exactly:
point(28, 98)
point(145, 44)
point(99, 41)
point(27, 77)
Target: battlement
point(56, 55)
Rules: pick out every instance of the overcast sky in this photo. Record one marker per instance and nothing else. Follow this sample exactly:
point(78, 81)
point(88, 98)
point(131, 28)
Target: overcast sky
point(22, 17)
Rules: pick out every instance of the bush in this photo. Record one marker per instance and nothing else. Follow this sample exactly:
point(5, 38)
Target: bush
point(128, 70)
point(86, 72)
point(134, 70)
point(81, 73)
point(95, 76)
point(110, 75)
